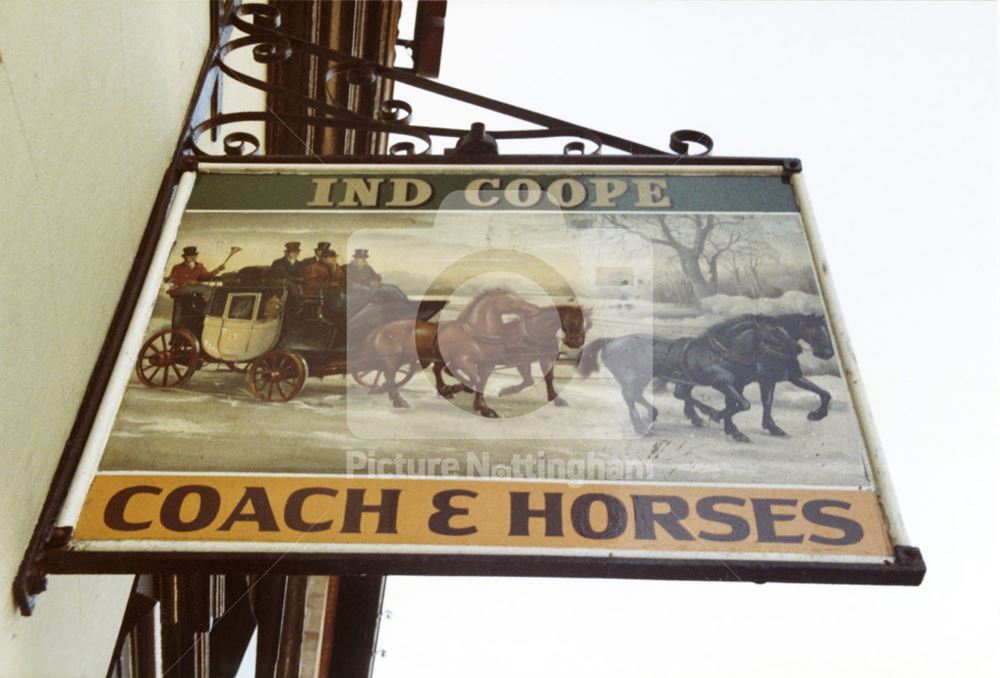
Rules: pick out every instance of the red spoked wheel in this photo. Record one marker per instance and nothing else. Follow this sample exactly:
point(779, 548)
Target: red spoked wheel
point(372, 379)
point(168, 358)
point(277, 376)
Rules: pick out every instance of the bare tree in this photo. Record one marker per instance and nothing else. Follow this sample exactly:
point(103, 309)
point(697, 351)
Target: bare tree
point(745, 264)
point(689, 236)
point(717, 246)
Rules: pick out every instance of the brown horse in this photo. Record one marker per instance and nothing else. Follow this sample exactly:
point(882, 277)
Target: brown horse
point(469, 346)
point(531, 339)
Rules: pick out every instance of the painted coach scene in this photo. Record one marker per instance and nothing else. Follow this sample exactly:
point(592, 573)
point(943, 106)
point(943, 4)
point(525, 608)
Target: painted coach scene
point(692, 346)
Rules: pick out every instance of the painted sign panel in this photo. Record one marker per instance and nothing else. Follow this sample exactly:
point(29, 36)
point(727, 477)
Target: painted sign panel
point(607, 364)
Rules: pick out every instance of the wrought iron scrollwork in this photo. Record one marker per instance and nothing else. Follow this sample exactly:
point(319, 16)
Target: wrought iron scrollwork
point(261, 28)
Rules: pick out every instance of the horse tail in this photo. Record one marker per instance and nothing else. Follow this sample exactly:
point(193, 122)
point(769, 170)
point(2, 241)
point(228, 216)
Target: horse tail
point(588, 358)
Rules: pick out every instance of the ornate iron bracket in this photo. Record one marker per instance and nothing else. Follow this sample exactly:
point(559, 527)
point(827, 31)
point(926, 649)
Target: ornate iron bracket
point(269, 44)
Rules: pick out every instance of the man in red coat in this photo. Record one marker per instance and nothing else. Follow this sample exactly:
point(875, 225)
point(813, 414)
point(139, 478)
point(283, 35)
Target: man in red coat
point(183, 287)
point(189, 271)
point(323, 274)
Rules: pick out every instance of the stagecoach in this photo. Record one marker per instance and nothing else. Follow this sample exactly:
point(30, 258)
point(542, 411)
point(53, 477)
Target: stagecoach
point(273, 332)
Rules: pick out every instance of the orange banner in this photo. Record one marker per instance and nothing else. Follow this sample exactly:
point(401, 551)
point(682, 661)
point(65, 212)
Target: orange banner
point(361, 511)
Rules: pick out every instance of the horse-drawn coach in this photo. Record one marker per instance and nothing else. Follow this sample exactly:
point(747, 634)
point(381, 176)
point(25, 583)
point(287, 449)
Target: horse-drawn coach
point(272, 331)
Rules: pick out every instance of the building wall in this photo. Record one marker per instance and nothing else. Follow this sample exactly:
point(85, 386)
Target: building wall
point(92, 97)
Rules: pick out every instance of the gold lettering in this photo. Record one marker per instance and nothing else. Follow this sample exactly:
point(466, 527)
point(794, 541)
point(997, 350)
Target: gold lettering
point(651, 193)
point(577, 192)
point(323, 197)
point(606, 190)
point(422, 192)
point(361, 192)
point(473, 192)
point(532, 192)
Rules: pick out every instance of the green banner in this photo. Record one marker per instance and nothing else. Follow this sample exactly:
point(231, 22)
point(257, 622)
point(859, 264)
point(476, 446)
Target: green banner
point(490, 188)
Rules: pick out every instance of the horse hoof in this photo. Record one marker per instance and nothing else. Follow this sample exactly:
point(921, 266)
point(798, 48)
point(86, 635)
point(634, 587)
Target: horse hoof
point(446, 394)
point(697, 422)
point(775, 431)
point(740, 437)
point(655, 414)
point(506, 391)
point(815, 415)
point(489, 414)
point(402, 404)
point(559, 402)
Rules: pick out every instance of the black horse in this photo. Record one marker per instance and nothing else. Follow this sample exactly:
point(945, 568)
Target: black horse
point(727, 357)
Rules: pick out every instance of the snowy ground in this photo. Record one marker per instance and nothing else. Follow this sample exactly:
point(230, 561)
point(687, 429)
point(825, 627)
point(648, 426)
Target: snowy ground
point(314, 432)
point(212, 423)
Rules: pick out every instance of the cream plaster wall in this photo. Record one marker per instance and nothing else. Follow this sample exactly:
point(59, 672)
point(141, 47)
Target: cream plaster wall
point(92, 95)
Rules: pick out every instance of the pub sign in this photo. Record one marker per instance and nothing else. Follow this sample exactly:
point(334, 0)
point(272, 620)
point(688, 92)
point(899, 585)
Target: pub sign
point(631, 370)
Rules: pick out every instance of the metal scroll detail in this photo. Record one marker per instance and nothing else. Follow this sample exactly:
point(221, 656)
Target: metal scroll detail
point(260, 31)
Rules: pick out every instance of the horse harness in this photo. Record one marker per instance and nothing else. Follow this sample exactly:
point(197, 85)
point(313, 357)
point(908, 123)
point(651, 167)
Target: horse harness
point(716, 344)
point(766, 349)
point(479, 335)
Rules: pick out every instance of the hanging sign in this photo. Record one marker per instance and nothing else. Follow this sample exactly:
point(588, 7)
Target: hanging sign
point(594, 370)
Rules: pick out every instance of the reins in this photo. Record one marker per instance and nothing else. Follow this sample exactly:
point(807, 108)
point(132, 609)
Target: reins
point(480, 335)
point(766, 348)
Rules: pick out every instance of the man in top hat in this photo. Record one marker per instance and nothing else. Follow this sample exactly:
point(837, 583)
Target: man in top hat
point(358, 272)
point(320, 248)
point(184, 276)
point(188, 295)
point(288, 267)
point(323, 274)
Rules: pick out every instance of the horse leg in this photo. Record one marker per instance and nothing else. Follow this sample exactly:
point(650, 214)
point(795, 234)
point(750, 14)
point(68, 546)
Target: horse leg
point(463, 385)
point(376, 387)
point(652, 411)
point(549, 367)
point(735, 402)
point(632, 393)
point(707, 410)
point(526, 381)
point(465, 368)
point(683, 392)
point(824, 397)
point(443, 389)
point(391, 388)
point(711, 412)
point(766, 401)
point(641, 428)
point(479, 401)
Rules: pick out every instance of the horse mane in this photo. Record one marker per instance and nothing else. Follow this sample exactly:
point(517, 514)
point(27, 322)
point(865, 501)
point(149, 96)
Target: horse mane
point(725, 326)
point(482, 296)
point(788, 321)
point(776, 332)
point(776, 328)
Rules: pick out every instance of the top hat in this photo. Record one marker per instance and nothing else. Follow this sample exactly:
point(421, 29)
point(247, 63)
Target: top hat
point(323, 247)
point(191, 251)
point(292, 246)
point(360, 253)
point(327, 253)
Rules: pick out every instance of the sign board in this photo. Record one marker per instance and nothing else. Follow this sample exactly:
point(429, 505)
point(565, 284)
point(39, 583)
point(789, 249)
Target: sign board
point(576, 370)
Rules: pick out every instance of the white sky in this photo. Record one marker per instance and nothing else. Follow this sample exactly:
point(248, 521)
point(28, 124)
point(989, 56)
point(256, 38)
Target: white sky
point(891, 107)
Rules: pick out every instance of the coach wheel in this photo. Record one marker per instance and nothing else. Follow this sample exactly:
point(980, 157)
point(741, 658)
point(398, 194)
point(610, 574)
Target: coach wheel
point(373, 379)
point(367, 378)
point(168, 358)
point(277, 376)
